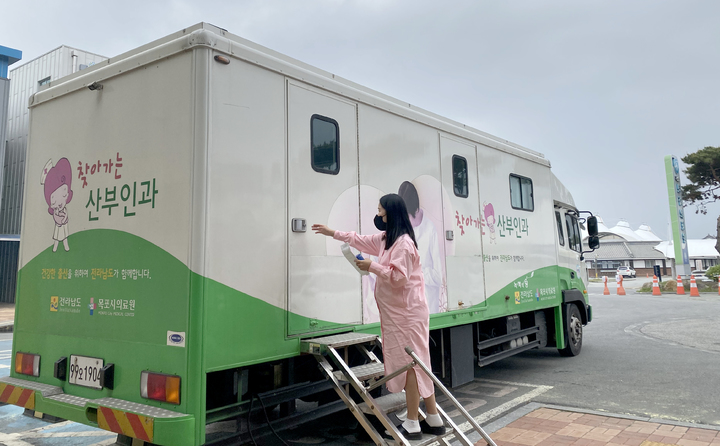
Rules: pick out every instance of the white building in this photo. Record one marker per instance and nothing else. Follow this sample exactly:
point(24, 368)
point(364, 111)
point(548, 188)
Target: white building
point(702, 252)
point(645, 233)
point(642, 249)
point(24, 81)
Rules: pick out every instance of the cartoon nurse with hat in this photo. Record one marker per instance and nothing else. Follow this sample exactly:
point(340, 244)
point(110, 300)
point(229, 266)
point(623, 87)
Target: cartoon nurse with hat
point(56, 182)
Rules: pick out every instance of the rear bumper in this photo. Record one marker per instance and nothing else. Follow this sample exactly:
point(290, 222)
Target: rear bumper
point(147, 423)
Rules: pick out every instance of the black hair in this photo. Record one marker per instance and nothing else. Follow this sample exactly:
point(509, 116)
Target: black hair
point(398, 222)
point(409, 194)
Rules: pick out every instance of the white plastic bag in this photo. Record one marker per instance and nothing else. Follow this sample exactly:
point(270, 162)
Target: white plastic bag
point(347, 252)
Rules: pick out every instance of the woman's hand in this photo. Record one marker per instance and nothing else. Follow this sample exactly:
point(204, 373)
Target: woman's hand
point(324, 230)
point(364, 265)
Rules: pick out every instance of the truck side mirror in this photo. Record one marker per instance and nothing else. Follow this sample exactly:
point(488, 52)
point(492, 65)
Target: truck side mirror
point(592, 227)
point(594, 240)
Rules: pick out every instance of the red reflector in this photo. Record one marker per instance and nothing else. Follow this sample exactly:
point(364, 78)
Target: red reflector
point(160, 387)
point(156, 387)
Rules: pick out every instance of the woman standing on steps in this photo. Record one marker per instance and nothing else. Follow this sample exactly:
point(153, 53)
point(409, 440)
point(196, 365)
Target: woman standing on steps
point(400, 297)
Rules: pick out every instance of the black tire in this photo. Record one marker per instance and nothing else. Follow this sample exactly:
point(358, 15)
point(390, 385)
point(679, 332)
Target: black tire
point(573, 332)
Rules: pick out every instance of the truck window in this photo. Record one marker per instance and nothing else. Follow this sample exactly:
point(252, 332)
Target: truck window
point(561, 239)
point(521, 193)
point(324, 135)
point(573, 232)
point(460, 176)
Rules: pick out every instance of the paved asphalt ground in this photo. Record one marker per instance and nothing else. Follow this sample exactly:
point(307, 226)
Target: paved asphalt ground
point(643, 356)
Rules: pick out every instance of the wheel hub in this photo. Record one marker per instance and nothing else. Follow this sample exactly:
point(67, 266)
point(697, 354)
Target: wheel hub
point(575, 330)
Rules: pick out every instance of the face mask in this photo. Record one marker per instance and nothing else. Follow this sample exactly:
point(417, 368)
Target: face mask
point(380, 224)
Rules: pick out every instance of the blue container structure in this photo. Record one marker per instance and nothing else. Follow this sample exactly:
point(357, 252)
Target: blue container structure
point(8, 244)
point(8, 56)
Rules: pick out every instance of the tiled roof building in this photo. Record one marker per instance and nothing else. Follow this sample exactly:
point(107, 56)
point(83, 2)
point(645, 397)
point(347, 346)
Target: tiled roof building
point(642, 250)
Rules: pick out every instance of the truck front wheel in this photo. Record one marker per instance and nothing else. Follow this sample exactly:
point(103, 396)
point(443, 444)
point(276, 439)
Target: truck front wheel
point(573, 332)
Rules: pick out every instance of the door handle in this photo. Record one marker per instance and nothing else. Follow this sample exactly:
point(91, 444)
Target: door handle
point(299, 225)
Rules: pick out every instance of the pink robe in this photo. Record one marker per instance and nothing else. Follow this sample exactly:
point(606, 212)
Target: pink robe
point(400, 297)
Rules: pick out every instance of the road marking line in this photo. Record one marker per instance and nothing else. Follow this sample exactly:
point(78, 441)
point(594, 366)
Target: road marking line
point(539, 390)
point(97, 433)
point(50, 426)
point(16, 439)
point(12, 440)
point(482, 418)
point(3, 366)
point(510, 383)
point(105, 442)
point(636, 330)
point(477, 389)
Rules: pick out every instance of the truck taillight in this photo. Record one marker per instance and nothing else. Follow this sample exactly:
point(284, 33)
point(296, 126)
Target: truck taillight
point(27, 364)
point(160, 387)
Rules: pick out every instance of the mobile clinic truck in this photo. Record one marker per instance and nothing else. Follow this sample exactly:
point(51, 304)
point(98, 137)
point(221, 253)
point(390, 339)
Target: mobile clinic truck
point(167, 271)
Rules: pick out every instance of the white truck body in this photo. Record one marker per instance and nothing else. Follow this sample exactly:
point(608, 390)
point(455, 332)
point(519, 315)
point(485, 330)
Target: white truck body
point(191, 157)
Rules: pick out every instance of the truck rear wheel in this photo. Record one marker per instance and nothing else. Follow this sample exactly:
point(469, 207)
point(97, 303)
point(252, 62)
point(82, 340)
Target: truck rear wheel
point(573, 332)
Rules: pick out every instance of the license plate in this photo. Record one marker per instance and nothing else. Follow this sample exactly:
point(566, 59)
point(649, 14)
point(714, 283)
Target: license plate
point(85, 371)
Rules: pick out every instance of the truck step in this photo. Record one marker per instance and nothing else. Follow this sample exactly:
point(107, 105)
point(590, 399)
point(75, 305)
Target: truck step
point(429, 439)
point(363, 372)
point(485, 360)
point(506, 338)
point(45, 389)
point(387, 403)
point(318, 346)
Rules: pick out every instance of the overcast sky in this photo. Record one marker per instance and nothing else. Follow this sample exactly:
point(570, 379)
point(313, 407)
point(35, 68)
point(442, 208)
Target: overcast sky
point(605, 89)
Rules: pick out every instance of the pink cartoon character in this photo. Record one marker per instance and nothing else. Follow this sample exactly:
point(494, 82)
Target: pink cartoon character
point(56, 182)
point(489, 212)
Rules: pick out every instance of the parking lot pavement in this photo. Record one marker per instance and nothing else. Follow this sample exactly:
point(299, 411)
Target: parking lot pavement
point(5, 352)
point(17, 429)
point(484, 399)
point(630, 285)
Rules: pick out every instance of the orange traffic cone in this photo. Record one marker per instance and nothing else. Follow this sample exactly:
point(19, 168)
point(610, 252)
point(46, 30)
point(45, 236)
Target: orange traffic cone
point(680, 286)
point(693, 287)
point(606, 291)
point(656, 287)
point(620, 289)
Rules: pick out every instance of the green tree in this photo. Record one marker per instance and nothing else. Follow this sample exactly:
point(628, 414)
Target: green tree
point(713, 272)
point(703, 171)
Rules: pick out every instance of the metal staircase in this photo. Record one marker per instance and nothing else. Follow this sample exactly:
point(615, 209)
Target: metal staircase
point(332, 352)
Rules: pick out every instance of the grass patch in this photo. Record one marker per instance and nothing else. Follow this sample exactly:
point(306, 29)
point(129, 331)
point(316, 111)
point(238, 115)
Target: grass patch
point(670, 286)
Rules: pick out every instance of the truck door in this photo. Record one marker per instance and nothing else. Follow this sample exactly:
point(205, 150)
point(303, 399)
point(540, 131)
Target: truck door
point(324, 291)
point(569, 248)
point(461, 203)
